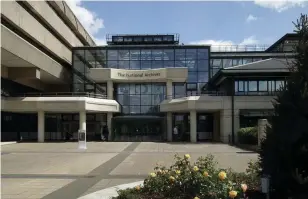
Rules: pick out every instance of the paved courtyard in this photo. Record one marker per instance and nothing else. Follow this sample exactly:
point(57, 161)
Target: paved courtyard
point(60, 170)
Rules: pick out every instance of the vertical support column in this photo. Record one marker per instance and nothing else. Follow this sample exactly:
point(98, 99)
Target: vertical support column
point(169, 126)
point(109, 120)
point(225, 125)
point(109, 89)
point(169, 89)
point(262, 124)
point(83, 121)
point(193, 126)
point(236, 124)
point(41, 126)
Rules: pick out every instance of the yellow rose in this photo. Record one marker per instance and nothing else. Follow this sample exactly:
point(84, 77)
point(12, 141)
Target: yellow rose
point(177, 171)
point(232, 194)
point(153, 175)
point(137, 187)
point(195, 168)
point(187, 156)
point(171, 178)
point(159, 171)
point(205, 174)
point(196, 197)
point(244, 187)
point(222, 175)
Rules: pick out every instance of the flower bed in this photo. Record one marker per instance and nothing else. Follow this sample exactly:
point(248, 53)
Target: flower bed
point(196, 180)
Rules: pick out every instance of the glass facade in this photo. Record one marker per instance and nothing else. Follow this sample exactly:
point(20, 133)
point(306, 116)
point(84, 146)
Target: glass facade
point(195, 58)
point(218, 63)
point(258, 87)
point(140, 98)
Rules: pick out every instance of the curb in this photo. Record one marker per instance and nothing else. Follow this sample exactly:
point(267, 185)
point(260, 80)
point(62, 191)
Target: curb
point(110, 192)
point(6, 143)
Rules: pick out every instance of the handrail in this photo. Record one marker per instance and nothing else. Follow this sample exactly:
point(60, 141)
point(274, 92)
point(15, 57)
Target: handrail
point(245, 48)
point(61, 94)
point(205, 93)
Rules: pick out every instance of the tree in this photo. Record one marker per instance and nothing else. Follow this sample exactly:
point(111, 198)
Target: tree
point(284, 151)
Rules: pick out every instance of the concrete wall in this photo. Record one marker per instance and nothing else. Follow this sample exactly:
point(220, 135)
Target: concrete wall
point(58, 104)
point(51, 18)
point(30, 54)
point(27, 23)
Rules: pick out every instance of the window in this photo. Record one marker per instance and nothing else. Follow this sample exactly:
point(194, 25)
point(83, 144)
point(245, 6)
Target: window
point(279, 85)
point(158, 39)
point(146, 55)
point(179, 54)
point(253, 86)
point(247, 60)
point(190, 86)
point(128, 39)
point(137, 39)
point(135, 55)
point(217, 63)
point(227, 63)
point(203, 65)
point(112, 55)
point(168, 64)
point(168, 38)
point(145, 64)
point(236, 62)
point(241, 86)
point(157, 54)
point(192, 77)
point(168, 54)
point(203, 76)
point(262, 85)
point(117, 39)
point(203, 54)
point(148, 39)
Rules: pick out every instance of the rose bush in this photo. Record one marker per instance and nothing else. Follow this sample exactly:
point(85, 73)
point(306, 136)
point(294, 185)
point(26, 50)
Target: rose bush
point(198, 180)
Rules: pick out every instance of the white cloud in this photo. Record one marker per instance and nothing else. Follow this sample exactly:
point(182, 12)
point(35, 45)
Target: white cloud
point(280, 5)
point(90, 21)
point(249, 43)
point(251, 18)
point(100, 41)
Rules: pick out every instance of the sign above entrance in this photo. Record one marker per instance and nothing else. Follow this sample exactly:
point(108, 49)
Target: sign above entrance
point(151, 75)
point(139, 74)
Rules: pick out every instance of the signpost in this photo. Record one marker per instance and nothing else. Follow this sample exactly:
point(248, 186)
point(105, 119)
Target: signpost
point(82, 141)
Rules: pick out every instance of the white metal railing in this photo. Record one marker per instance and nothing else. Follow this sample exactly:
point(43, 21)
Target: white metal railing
point(61, 94)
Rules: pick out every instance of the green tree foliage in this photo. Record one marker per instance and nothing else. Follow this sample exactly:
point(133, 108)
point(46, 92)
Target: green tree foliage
point(284, 151)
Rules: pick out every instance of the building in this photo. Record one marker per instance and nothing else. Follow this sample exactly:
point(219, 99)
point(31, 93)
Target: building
point(140, 86)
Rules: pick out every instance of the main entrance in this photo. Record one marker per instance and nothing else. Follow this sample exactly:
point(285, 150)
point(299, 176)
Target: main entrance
point(137, 128)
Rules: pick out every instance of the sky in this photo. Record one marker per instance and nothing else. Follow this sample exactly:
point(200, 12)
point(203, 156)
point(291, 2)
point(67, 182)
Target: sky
point(256, 22)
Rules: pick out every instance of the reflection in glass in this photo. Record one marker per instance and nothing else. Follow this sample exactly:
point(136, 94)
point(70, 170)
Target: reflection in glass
point(279, 85)
point(236, 62)
point(112, 64)
point(157, 54)
point(146, 55)
point(203, 76)
point(192, 77)
point(191, 54)
point(247, 60)
point(271, 86)
point(134, 54)
point(146, 100)
point(157, 64)
point(145, 109)
point(203, 65)
point(134, 109)
point(168, 54)
point(217, 63)
point(180, 64)
point(123, 55)
point(262, 85)
point(179, 54)
point(135, 64)
point(191, 65)
point(146, 89)
point(112, 54)
point(124, 64)
point(146, 65)
point(253, 86)
point(227, 63)
point(168, 64)
point(203, 54)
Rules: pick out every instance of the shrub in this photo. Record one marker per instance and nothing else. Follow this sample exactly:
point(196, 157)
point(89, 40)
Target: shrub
point(248, 135)
point(184, 180)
